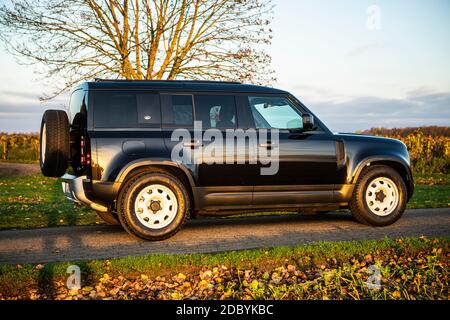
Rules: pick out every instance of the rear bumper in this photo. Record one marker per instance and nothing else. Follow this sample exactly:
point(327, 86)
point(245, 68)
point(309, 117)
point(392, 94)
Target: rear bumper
point(74, 191)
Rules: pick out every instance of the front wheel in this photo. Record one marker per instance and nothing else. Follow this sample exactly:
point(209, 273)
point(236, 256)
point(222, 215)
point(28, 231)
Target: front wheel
point(153, 206)
point(379, 197)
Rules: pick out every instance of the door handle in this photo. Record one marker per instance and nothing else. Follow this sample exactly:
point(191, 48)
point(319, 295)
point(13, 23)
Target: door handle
point(192, 144)
point(270, 145)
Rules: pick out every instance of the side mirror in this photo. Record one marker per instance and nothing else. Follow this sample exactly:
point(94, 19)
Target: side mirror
point(308, 121)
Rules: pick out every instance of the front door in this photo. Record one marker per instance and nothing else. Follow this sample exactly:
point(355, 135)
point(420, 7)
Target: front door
point(307, 165)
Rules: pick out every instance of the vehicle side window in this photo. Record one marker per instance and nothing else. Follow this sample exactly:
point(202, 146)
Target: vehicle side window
point(274, 112)
point(126, 109)
point(177, 110)
point(77, 104)
point(215, 111)
point(115, 110)
point(149, 110)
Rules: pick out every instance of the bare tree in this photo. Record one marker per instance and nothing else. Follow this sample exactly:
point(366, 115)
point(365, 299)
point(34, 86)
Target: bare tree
point(77, 40)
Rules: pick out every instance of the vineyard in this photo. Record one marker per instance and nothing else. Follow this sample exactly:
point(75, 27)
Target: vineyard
point(429, 147)
point(19, 147)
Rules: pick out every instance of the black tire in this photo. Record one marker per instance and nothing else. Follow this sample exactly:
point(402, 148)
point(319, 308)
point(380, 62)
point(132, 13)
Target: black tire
point(126, 205)
point(359, 204)
point(109, 217)
point(55, 152)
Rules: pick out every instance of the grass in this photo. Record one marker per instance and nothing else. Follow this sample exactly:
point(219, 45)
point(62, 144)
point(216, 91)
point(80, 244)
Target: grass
point(431, 179)
point(410, 268)
point(36, 201)
point(437, 196)
point(19, 161)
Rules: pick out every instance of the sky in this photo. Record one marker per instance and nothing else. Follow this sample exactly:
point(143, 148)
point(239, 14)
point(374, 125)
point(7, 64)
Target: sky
point(356, 64)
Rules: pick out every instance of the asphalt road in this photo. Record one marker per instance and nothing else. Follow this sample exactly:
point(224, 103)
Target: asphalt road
point(208, 235)
point(13, 169)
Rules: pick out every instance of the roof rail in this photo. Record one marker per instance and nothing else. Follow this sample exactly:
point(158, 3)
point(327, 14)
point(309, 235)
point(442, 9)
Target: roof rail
point(179, 81)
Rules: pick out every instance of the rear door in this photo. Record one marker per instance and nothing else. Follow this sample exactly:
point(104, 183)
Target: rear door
point(219, 180)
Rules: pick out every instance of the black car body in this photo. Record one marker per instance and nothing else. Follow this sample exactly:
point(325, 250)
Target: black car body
point(120, 129)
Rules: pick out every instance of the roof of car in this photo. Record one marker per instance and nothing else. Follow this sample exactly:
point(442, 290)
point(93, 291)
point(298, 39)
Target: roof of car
point(188, 85)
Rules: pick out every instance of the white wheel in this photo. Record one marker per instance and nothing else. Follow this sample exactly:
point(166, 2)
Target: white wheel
point(43, 142)
point(382, 196)
point(156, 206)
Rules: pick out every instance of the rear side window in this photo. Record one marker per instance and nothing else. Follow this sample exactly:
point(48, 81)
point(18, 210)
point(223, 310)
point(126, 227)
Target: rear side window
point(77, 104)
point(215, 111)
point(177, 110)
point(149, 110)
point(126, 110)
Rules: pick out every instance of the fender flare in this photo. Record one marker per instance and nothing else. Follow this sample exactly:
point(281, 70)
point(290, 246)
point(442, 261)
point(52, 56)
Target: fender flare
point(152, 162)
point(364, 162)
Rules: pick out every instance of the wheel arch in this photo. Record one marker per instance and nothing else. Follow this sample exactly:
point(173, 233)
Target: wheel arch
point(140, 166)
point(397, 164)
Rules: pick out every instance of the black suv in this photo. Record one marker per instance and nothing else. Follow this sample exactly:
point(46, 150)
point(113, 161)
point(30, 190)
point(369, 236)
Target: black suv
point(129, 146)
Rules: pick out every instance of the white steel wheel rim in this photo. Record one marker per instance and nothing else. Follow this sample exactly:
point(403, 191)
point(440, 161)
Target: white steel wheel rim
point(43, 142)
point(156, 206)
point(382, 196)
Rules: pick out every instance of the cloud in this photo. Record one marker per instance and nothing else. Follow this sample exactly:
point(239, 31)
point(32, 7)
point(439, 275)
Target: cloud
point(24, 115)
point(22, 96)
point(421, 106)
point(314, 93)
point(357, 51)
point(417, 109)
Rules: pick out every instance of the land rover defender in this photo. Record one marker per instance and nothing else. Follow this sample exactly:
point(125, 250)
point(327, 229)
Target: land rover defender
point(114, 151)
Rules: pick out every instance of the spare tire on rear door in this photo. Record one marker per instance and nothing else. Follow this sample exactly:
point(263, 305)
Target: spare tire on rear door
point(54, 143)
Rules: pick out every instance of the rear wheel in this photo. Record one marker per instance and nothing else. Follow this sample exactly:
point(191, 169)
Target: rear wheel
point(379, 197)
point(109, 217)
point(153, 206)
point(54, 143)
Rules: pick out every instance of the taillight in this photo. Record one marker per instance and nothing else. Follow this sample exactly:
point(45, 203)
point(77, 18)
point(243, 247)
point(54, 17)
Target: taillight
point(85, 157)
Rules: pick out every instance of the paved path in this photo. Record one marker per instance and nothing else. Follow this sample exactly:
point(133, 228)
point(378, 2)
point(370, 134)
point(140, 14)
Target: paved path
point(207, 235)
point(13, 169)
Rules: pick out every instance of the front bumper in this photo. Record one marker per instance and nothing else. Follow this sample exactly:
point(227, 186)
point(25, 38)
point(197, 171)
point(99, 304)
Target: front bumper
point(74, 191)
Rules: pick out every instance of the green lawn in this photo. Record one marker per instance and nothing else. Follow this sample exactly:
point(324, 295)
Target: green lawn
point(410, 268)
point(36, 201)
point(431, 178)
point(437, 196)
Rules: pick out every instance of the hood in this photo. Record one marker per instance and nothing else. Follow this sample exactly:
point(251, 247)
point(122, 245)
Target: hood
point(363, 137)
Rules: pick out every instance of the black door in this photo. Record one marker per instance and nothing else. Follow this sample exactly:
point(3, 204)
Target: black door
point(307, 166)
point(219, 180)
